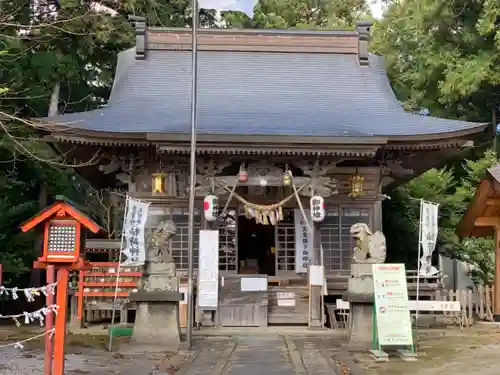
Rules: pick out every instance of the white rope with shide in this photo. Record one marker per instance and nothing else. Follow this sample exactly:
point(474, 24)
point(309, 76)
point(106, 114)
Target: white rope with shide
point(29, 293)
point(30, 317)
point(19, 344)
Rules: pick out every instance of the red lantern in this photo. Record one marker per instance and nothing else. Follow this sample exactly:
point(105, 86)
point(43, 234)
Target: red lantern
point(243, 176)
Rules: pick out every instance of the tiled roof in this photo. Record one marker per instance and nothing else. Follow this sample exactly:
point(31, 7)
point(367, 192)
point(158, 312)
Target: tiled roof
point(258, 93)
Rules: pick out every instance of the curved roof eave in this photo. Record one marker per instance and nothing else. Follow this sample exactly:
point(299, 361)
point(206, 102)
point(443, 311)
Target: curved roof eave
point(337, 99)
point(477, 128)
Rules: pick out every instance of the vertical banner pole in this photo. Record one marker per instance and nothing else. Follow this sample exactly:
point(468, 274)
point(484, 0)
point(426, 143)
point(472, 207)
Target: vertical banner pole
point(192, 171)
point(419, 254)
point(115, 297)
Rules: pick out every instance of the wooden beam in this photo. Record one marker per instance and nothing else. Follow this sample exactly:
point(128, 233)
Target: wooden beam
point(493, 202)
point(496, 306)
point(484, 221)
point(475, 208)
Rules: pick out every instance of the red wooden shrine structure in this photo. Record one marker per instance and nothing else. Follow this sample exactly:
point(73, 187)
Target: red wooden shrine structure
point(64, 231)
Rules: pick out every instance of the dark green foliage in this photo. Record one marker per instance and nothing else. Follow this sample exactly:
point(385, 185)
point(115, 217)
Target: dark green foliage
point(444, 56)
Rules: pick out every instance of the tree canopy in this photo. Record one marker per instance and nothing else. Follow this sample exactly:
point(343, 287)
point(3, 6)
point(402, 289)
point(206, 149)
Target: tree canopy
point(441, 55)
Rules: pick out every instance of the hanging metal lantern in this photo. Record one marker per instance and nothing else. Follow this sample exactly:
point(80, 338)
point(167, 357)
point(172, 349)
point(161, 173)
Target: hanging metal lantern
point(158, 183)
point(317, 204)
point(357, 183)
point(287, 179)
point(211, 208)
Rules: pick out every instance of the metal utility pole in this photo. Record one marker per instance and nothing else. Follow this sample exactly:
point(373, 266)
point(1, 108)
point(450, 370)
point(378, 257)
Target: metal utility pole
point(192, 173)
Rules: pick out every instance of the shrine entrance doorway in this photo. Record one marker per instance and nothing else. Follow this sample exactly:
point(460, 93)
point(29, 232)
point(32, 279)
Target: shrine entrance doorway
point(256, 247)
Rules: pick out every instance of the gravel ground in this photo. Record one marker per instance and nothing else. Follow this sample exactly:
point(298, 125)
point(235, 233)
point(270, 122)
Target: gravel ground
point(86, 354)
point(440, 352)
point(444, 352)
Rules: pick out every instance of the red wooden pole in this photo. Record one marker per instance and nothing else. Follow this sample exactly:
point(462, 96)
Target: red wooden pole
point(49, 324)
point(60, 334)
point(79, 314)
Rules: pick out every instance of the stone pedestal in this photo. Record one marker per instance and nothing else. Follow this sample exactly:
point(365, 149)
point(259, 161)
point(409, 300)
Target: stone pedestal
point(360, 297)
point(156, 327)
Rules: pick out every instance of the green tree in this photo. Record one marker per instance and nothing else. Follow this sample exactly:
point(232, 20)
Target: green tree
point(453, 191)
point(443, 55)
point(70, 56)
point(278, 14)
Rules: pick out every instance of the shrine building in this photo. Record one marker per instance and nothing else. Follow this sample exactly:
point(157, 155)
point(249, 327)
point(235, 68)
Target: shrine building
point(314, 105)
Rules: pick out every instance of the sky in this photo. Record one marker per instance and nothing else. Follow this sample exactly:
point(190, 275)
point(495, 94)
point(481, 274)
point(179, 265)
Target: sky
point(377, 9)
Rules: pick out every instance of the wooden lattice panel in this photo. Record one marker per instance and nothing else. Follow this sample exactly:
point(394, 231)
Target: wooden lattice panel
point(285, 247)
point(180, 240)
point(336, 238)
point(228, 241)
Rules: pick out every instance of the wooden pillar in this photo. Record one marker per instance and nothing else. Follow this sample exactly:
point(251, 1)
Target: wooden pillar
point(316, 318)
point(377, 216)
point(80, 316)
point(49, 323)
point(496, 296)
point(60, 333)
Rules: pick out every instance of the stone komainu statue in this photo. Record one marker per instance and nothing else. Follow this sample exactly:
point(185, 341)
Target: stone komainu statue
point(159, 247)
point(370, 247)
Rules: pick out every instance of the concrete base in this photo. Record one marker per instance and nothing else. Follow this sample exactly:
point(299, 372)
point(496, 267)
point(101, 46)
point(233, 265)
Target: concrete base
point(406, 355)
point(360, 331)
point(492, 325)
point(379, 355)
point(360, 297)
point(156, 327)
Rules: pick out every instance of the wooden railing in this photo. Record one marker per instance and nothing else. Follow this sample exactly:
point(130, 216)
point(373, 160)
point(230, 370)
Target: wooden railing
point(477, 303)
point(97, 287)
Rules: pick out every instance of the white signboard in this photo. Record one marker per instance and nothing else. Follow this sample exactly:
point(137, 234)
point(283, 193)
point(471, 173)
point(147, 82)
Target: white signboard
point(184, 291)
point(286, 302)
point(428, 236)
point(253, 284)
point(442, 306)
point(316, 276)
point(285, 295)
point(391, 305)
point(303, 243)
point(208, 274)
point(134, 241)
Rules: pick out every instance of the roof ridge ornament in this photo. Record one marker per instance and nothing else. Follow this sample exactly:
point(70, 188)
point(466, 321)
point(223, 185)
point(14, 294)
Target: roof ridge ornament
point(140, 36)
point(363, 29)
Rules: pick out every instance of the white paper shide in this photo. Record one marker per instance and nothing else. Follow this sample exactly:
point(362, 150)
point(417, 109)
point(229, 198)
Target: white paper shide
point(134, 239)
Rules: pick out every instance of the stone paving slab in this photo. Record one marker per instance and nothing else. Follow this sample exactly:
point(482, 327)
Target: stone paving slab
point(276, 355)
point(230, 355)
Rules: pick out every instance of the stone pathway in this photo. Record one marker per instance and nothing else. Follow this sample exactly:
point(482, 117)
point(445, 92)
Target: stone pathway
point(274, 355)
point(232, 354)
